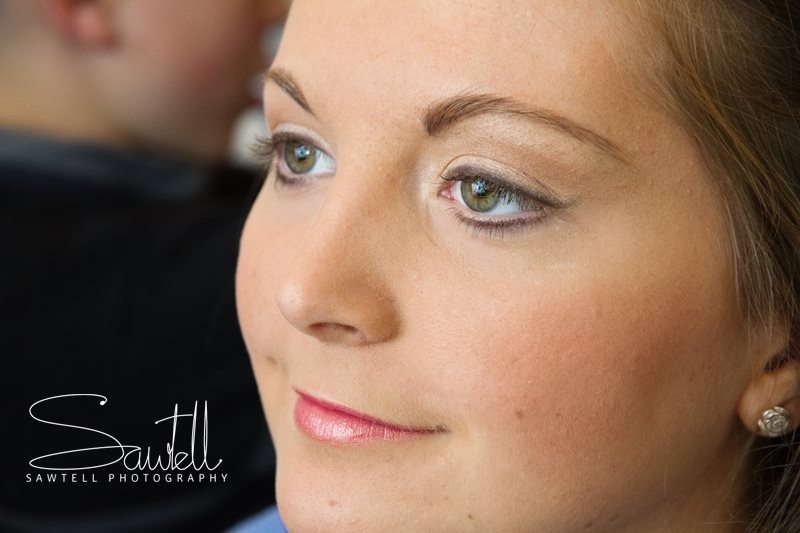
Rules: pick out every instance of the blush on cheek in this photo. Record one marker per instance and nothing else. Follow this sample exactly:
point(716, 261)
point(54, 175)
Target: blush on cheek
point(623, 336)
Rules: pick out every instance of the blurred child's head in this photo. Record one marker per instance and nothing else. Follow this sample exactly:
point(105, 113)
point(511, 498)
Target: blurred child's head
point(165, 75)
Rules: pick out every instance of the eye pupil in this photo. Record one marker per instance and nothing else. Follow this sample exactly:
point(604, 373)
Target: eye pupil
point(480, 187)
point(302, 152)
point(479, 194)
point(300, 157)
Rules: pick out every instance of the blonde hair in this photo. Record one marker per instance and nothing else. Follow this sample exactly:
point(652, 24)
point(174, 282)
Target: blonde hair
point(730, 71)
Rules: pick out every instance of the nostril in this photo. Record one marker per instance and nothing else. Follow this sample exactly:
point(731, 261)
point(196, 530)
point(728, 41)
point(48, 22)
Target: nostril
point(333, 326)
point(333, 330)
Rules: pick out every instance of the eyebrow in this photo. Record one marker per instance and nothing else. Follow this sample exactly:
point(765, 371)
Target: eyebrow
point(445, 113)
point(286, 82)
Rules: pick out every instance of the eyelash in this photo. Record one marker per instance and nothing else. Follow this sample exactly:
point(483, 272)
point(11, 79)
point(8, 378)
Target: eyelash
point(266, 149)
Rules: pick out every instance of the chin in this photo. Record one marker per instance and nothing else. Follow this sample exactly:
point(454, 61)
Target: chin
point(312, 498)
point(305, 507)
point(318, 495)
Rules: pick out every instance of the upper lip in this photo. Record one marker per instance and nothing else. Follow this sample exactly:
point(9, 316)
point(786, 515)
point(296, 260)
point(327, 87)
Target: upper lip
point(352, 412)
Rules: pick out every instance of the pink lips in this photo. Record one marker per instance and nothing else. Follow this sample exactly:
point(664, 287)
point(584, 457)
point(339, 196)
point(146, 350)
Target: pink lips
point(336, 424)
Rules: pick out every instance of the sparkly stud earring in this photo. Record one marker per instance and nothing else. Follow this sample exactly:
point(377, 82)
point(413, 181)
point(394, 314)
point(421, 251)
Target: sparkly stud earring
point(774, 422)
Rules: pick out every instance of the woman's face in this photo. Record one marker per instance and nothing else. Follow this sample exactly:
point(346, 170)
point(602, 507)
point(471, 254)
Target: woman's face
point(484, 231)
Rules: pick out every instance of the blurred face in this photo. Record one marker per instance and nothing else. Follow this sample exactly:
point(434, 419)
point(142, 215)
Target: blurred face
point(186, 69)
point(486, 285)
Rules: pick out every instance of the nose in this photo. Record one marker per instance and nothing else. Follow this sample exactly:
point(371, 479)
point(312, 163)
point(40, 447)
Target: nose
point(338, 286)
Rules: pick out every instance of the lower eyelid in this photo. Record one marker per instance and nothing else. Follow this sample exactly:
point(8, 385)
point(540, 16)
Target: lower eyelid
point(523, 217)
point(491, 229)
point(282, 180)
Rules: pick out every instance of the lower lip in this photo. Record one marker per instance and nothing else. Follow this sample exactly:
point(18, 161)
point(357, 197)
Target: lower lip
point(327, 423)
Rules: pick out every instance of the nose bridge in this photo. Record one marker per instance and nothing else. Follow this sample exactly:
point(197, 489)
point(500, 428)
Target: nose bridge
point(352, 223)
point(339, 283)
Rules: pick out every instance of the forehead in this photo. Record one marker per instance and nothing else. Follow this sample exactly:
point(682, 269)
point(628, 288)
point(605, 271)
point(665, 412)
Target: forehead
point(561, 54)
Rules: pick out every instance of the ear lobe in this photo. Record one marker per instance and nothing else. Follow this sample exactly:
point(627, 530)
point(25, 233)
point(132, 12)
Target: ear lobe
point(775, 383)
point(779, 388)
point(87, 23)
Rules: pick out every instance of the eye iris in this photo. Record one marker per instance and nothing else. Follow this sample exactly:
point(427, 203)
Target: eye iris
point(479, 194)
point(299, 157)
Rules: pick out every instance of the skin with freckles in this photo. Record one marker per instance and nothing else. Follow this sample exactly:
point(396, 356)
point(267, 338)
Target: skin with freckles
point(578, 346)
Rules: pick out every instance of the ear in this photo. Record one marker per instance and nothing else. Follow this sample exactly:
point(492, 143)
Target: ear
point(776, 379)
point(88, 23)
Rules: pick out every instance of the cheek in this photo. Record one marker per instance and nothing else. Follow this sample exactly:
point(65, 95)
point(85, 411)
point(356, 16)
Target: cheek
point(573, 347)
point(568, 361)
point(263, 328)
point(259, 253)
point(597, 371)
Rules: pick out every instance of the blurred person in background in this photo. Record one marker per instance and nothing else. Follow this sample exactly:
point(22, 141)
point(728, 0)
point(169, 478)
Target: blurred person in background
point(119, 220)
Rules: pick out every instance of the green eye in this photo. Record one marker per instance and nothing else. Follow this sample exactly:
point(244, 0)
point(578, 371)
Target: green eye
point(299, 157)
point(480, 195)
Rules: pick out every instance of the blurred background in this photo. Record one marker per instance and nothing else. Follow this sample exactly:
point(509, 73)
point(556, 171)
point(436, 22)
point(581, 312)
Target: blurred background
point(250, 123)
point(126, 173)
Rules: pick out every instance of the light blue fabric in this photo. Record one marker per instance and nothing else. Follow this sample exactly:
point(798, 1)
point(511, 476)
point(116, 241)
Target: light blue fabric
point(268, 521)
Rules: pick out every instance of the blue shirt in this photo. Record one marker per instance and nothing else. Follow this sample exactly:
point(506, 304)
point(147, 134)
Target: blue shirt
point(268, 521)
